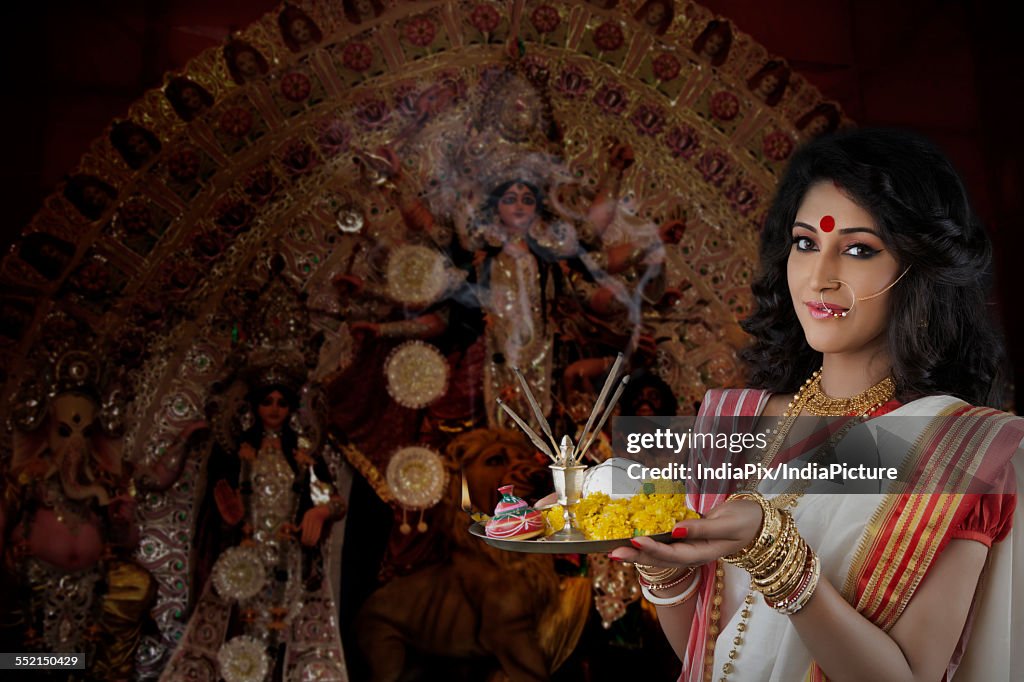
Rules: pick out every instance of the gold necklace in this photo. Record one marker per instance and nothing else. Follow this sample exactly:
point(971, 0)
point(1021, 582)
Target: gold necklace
point(821, 405)
point(862, 405)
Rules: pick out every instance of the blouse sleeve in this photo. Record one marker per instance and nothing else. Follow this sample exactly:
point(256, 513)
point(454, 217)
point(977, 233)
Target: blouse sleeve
point(991, 518)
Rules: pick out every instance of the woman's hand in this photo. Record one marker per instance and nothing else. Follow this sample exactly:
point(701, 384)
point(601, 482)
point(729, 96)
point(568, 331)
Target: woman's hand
point(727, 529)
point(547, 501)
point(313, 523)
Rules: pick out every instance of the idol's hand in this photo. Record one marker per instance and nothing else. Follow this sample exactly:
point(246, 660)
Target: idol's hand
point(349, 285)
point(313, 523)
point(229, 502)
point(365, 329)
point(726, 529)
point(122, 509)
point(621, 156)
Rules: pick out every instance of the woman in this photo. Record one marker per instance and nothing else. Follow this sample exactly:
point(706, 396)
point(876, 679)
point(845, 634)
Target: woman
point(873, 270)
point(268, 506)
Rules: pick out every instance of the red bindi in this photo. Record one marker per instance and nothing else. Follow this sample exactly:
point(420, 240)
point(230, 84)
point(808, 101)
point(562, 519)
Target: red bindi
point(828, 223)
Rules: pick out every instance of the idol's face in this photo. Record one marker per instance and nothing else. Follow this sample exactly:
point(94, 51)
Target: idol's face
point(300, 31)
point(713, 45)
point(818, 125)
point(191, 99)
point(138, 144)
point(768, 85)
point(364, 8)
point(273, 411)
point(517, 208)
point(648, 402)
point(836, 239)
point(247, 64)
point(655, 14)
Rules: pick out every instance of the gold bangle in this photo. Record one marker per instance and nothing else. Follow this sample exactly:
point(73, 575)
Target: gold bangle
point(805, 590)
point(672, 582)
point(765, 563)
point(656, 576)
point(788, 576)
point(786, 600)
point(767, 535)
point(786, 555)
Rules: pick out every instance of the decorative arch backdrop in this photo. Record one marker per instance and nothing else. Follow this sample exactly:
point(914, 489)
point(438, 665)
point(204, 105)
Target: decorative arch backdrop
point(255, 160)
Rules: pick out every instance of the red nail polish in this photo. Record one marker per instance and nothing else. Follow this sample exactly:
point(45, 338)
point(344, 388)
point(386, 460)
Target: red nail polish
point(636, 544)
point(679, 533)
point(614, 558)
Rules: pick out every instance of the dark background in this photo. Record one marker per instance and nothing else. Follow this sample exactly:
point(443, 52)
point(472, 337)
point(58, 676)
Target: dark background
point(949, 69)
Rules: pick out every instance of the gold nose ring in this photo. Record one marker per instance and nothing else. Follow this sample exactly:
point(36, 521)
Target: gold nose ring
point(841, 283)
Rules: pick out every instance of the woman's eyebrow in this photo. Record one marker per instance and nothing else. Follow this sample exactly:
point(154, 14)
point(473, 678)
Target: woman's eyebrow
point(845, 230)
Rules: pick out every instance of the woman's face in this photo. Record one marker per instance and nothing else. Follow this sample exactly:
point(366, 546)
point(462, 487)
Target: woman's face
point(835, 239)
point(273, 411)
point(517, 208)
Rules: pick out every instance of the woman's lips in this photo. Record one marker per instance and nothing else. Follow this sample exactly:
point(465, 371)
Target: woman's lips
point(823, 312)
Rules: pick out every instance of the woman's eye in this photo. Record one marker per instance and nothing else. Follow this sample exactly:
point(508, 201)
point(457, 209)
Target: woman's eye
point(861, 251)
point(803, 243)
point(528, 201)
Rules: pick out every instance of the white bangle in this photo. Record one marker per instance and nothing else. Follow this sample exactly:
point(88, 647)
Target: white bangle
point(678, 599)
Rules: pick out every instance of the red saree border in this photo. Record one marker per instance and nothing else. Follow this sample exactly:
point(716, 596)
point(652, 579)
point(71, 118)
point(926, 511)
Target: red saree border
point(907, 530)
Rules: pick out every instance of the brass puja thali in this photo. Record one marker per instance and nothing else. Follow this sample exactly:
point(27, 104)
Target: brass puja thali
point(548, 546)
point(598, 508)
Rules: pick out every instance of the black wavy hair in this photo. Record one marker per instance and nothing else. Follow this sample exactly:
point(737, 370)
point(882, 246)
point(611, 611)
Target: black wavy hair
point(941, 338)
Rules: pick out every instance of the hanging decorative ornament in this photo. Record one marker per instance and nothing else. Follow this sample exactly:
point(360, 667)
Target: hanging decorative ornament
point(246, 418)
point(243, 659)
point(416, 275)
point(239, 573)
point(417, 478)
point(417, 374)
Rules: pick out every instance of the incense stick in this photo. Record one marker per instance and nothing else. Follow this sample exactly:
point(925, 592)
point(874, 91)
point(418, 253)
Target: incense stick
point(536, 409)
point(609, 380)
point(537, 440)
point(604, 418)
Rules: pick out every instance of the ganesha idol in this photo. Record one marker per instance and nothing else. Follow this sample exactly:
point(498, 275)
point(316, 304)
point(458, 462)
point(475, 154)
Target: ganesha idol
point(67, 522)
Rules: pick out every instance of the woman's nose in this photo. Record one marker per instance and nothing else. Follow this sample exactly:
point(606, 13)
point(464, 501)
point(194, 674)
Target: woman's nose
point(823, 274)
